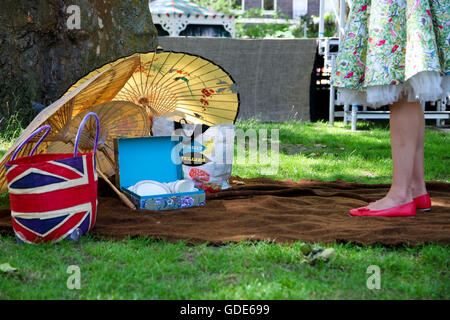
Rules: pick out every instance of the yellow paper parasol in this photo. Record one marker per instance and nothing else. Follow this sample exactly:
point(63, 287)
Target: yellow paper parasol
point(98, 89)
point(167, 81)
point(117, 119)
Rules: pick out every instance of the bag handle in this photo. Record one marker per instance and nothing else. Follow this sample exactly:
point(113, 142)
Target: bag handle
point(80, 129)
point(31, 136)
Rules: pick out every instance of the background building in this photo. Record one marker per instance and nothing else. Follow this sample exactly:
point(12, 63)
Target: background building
point(291, 8)
point(185, 18)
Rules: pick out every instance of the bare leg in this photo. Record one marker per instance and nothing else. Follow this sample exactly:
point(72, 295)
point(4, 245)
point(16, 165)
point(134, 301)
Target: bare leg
point(418, 187)
point(406, 126)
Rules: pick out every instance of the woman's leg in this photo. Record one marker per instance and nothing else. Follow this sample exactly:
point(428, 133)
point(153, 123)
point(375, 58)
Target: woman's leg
point(406, 126)
point(418, 187)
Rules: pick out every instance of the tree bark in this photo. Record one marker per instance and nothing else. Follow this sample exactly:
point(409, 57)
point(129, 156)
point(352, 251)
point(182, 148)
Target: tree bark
point(41, 56)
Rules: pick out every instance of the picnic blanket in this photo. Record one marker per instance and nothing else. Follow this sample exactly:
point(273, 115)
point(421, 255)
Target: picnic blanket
point(279, 211)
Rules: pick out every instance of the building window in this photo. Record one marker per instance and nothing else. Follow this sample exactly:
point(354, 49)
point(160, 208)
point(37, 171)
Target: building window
point(269, 5)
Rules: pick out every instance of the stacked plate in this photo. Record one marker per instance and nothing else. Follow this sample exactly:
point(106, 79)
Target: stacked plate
point(151, 187)
point(181, 186)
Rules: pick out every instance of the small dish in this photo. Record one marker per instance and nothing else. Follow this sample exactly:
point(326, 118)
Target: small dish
point(182, 186)
point(150, 188)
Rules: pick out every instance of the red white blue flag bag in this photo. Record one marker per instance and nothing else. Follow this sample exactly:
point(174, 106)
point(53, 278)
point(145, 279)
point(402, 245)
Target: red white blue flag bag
point(53, 196)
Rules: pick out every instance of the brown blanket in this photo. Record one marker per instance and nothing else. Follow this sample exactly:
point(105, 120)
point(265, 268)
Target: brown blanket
point(313, 211)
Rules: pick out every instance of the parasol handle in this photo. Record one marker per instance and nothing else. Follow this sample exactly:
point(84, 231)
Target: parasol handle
point(80, 129)
point(31, 136)
point(122, 197)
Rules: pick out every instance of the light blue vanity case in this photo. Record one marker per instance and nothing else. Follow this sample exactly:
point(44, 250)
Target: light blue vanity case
point(150, 158)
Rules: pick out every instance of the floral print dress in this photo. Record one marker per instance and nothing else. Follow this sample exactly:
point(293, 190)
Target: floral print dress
point(394, 48)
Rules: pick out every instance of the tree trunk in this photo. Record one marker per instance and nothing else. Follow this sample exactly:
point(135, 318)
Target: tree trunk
point(43, 52)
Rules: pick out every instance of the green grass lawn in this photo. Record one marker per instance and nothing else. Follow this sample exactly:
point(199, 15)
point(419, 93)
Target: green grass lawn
point(318, 151)
point(148, 269)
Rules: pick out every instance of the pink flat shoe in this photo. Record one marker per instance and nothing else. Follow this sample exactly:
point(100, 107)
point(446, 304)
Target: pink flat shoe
point(405, 210)
point(423, 202)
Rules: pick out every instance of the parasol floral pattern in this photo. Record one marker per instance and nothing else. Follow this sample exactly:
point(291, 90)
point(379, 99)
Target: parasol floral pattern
point(165, 81)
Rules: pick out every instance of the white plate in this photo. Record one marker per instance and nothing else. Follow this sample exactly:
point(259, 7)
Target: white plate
point(150, 188)
point(182, 186)
point(170, 185)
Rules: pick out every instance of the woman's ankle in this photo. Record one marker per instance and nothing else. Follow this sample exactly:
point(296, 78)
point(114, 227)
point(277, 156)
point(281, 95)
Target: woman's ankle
point(400, 197)
point(418, 190)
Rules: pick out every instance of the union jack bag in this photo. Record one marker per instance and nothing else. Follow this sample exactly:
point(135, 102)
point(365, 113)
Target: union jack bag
point(53, 196)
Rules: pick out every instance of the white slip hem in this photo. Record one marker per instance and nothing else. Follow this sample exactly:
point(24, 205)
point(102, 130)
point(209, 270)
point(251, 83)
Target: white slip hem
point(424, 86)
